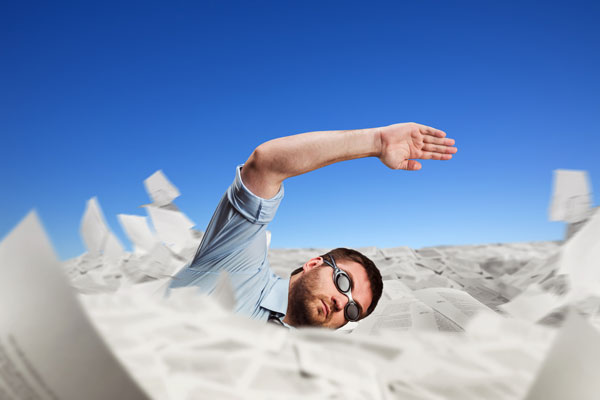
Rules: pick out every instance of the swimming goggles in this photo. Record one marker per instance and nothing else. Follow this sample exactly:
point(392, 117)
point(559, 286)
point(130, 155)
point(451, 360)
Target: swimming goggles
point(344, 284)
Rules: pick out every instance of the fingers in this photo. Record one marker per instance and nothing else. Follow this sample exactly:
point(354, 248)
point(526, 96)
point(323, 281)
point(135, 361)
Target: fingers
point(436, 145)
point(440, 141)
point(436, 148)
point(410, 165)
point(436, 142)
point(428, 130)
point(427, 155)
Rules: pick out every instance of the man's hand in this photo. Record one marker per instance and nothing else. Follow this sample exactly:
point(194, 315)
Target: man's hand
point(401, 144)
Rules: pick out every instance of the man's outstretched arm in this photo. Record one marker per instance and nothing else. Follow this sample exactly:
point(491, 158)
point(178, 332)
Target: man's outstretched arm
point(398, 146)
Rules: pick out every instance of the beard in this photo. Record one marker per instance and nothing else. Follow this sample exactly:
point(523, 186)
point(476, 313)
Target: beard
point(300, 311)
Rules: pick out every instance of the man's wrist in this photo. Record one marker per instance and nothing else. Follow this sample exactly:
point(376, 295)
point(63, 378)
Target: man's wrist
point(374, 146)
point(377, 144)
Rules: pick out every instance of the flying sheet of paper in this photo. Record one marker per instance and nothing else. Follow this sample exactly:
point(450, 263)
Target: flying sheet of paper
point(173, 228)
point(96, 235)
point(93, 228)
point(571, 198)
point(48, 348)
point(159, 262)
point(579, 256)
point(570, 370)
point(161, 191)
point(137, 230)
point(113, 249)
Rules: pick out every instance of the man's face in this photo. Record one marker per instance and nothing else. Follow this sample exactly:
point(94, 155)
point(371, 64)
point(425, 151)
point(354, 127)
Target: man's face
point(314, 299)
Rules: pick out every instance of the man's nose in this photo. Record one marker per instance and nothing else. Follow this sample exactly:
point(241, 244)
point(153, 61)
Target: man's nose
point(340, 301)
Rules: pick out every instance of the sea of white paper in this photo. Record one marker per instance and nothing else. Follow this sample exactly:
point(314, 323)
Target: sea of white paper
point(498, 321)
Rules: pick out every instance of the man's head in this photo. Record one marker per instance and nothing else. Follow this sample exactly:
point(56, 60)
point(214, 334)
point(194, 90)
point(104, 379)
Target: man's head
point(314, 299)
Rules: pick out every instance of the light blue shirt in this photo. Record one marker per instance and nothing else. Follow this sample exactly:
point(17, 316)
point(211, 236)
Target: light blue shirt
point(236, 241)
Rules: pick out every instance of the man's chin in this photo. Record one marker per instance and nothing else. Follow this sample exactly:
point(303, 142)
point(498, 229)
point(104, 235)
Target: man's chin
point(309, 317)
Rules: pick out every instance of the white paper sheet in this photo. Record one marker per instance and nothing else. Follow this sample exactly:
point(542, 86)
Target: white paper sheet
point(160, 189)
point(579, 256)
point(399, 252)
point(571, 198)
point(456, 305)
point(48, 349)
point(533, 304)
point(160, 262)
point(93, 228)
point(173, 228)
point(96, 235)
point(404, 314)
point(395, 289)
point(137, 230)
point(338, 364)
point(570, 370)
point(113, 250)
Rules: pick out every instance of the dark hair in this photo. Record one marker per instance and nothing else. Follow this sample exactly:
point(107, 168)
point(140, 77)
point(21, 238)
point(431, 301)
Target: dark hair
point(373, 273)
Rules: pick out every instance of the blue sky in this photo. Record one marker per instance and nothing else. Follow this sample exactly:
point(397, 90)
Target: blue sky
point(96, 96)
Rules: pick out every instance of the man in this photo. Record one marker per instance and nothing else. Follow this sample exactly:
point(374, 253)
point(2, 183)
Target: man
point(329, 290)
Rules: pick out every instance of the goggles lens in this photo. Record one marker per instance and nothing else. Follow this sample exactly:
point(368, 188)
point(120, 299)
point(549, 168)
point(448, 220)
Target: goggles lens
point(351, 312)
point(343, 283)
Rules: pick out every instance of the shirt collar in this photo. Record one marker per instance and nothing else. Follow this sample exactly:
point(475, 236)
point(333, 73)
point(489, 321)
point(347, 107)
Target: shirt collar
point(277, 298)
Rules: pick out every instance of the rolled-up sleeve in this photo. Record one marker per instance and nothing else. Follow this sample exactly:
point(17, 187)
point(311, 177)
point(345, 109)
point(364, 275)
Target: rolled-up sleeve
point(255, 209)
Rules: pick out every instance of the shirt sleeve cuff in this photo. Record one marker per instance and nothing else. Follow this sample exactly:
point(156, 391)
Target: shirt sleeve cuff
point(255, 209)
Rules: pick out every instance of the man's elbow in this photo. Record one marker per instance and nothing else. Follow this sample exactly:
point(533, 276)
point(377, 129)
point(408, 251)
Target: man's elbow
point(260, 157)
point(260, 162)
point(260, 174)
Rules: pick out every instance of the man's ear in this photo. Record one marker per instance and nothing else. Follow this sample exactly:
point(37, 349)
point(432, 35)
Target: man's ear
point(312, 263)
